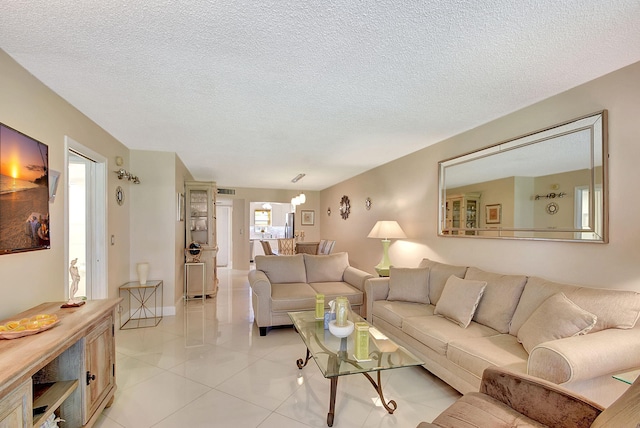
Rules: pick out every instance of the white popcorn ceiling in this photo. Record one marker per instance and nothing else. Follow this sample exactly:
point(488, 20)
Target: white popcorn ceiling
point(250, 93)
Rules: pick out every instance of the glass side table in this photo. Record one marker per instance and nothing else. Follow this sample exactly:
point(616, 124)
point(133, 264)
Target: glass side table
point(627, 377)
point(141, 304)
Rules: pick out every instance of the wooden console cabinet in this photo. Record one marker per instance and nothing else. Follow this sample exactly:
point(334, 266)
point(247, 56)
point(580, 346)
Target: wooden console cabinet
point(70, 368)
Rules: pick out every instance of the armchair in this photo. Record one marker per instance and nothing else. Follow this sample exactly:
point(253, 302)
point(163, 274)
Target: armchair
point(507, 399)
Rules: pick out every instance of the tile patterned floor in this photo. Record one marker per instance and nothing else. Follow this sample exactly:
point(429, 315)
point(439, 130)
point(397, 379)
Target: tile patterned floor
point(208, 367)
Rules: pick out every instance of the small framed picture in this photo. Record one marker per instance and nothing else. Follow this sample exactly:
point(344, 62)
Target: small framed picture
point(308, 217)
point(493, 213)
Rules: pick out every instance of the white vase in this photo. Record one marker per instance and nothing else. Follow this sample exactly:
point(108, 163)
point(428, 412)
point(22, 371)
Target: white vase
point(143, 272)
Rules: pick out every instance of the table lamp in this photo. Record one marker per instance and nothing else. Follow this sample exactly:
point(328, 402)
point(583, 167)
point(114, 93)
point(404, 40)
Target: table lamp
point(386, 230)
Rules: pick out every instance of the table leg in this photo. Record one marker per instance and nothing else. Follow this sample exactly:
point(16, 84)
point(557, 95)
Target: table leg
point(391, 406)
point(332, 401)
point(301, 363)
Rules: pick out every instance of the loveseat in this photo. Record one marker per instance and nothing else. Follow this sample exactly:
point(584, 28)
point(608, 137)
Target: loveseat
point(281, 284)
point(460, 320)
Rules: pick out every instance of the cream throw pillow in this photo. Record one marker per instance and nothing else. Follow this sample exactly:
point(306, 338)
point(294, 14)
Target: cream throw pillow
point(460, 299)
point(409, 285)
point(556, 318)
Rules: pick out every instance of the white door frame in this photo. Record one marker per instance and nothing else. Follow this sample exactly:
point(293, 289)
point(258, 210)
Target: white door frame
point(99, 278)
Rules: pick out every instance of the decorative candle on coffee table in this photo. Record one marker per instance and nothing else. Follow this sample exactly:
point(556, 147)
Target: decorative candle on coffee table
point(362, 341)
point(319, 306)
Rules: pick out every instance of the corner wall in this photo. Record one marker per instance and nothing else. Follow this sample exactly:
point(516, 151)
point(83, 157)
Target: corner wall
point(26, 104)
point(406, 190)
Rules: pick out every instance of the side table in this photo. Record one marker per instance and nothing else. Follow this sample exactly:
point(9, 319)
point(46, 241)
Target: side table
point(141, 304)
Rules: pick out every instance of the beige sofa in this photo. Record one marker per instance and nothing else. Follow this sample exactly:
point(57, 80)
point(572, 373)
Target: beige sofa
point(566, 334)
point(281, 284)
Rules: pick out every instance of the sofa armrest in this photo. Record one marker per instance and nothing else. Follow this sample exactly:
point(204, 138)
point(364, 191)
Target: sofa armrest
point(356, 277)
point(260, 297)
point(587, 356)
point(538, 399)
point(375, 289)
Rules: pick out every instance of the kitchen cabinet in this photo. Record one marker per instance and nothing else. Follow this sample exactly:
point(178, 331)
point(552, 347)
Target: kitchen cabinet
point(69, 370)
point(200, 229)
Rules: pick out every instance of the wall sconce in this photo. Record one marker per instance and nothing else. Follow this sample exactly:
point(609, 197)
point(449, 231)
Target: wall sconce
point(122, 173)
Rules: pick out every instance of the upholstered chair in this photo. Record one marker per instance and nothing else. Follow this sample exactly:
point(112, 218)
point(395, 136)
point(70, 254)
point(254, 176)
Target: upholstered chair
point(508, 399)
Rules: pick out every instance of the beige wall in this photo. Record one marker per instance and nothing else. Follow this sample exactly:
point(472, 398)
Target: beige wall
point(27, 279)
point(157, 237)
point(407, 190)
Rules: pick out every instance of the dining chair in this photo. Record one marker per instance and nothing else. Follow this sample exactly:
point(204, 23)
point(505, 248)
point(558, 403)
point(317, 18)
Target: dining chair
point(266, 247)
point(285, 247)
point(326, 246)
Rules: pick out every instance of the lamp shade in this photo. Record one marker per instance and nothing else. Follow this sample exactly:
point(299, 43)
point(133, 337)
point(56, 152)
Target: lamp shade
point(387, 229)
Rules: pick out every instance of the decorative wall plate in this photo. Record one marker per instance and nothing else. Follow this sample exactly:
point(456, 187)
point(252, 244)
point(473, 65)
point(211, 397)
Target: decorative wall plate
point(552, 208)
point(345, 207)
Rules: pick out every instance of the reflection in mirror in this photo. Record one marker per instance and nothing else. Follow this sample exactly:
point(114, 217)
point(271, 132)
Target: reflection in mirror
point(545, 185)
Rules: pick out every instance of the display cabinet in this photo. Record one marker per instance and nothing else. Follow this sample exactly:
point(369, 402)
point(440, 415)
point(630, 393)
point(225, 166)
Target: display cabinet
point(200, 232)
point(462, 213)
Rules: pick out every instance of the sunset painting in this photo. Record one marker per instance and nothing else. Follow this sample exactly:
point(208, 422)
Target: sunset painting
point(24, 192)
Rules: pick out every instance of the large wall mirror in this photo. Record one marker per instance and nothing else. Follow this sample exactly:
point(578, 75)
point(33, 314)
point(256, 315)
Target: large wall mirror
point(550, 184)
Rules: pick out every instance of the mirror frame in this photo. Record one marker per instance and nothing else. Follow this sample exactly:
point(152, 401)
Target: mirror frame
point(596, 123)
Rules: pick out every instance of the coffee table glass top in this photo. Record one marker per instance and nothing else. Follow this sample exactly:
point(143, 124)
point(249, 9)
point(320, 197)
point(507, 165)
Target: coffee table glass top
point(335, 356)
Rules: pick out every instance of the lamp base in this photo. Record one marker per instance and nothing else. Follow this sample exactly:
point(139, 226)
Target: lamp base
point(382, 270)
point(383, 267)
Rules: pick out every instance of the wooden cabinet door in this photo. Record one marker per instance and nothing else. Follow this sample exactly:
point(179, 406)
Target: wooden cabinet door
point(99, 366)
point(15, 408)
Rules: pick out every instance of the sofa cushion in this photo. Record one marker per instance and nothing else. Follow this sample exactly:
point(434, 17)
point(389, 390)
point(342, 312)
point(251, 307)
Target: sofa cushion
point(556, 318)
point(395, 312)
point(409, 284)
point(326, 268)
point(476, 354)
point(292, 296)
point(460, 299)
point(438, 275)
point(282, 269)
point(614, 308)
point(331, 290)
point(536, 291)
point(500, 298)
point(437, 332)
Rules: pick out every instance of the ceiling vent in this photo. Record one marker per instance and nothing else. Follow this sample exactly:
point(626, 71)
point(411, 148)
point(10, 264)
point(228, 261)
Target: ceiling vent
point(226, 191)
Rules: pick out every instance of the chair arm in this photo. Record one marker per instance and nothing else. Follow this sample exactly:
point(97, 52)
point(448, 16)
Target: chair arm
point(585, 357)
point(260, 297)
point(538, 399)
point(375, 289)
point(355, 277)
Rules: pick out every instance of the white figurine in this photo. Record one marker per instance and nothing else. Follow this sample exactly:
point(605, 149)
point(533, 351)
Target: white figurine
point(75, 279)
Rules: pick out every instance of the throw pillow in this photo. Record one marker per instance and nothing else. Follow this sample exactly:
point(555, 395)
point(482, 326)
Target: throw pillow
point(329, 268)
point(460, 299)
point(556, 318)
point(409, 284)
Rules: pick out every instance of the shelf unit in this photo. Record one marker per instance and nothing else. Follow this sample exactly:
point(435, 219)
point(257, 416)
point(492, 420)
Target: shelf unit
point(70, 368)
point(200, 228)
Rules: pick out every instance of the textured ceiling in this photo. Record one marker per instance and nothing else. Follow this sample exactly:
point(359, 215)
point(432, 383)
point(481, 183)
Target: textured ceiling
point(250, 93)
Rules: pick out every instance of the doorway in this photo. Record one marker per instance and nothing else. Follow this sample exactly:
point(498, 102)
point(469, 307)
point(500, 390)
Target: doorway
point(223, 231)
point(85, 219)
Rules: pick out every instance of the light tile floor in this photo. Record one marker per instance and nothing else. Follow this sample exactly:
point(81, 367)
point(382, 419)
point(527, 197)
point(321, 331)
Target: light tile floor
point(207, 366)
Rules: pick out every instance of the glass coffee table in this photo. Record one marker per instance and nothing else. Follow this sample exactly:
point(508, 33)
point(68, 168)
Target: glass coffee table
point(335, 356)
